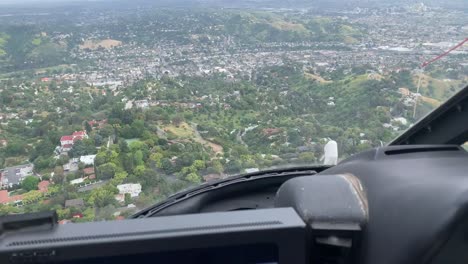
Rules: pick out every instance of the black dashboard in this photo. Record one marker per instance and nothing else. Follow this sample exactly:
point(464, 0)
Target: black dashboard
point(417, 196)
point(418, 201)
point(390, 205)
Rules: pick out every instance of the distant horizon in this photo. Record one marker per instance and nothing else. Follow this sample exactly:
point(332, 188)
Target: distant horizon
point(201, 1)
point(457, 4)
point(24, 2)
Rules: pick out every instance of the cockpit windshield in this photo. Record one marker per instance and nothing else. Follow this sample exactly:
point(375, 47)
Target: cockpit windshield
point(107, 107)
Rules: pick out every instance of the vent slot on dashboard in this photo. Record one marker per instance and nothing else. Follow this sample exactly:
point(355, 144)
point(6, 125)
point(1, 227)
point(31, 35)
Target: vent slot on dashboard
point(156, 232)
point(417, 149)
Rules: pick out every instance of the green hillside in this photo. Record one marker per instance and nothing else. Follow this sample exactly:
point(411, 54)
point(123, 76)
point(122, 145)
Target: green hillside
point(20, 44)
point(266, 27)
point(326, 29)
point(3, 40)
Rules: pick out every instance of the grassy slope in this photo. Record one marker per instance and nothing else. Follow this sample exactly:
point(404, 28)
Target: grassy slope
point(318, 78)
point(442, 89)
point(184, 130)
point(3, 40)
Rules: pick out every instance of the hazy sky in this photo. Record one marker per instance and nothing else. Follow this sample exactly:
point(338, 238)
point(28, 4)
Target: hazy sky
point(460, 3)
point(45, 1)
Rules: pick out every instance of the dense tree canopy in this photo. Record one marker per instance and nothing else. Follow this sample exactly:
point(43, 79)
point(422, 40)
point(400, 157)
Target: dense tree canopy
point(30, 183)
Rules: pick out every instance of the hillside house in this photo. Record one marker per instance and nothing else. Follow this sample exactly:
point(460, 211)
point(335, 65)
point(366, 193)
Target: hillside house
point(12, 176)
point(67, 141)
point(134, 189)
point(43, 186)
point(88, 159)
point(5, 198)
point(97, 124)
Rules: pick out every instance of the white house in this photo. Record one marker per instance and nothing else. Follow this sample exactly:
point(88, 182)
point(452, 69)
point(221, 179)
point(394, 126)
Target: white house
point(77, 181)
point(142, 103)
point(134, 189)
point(88, 159)
point(26, 170)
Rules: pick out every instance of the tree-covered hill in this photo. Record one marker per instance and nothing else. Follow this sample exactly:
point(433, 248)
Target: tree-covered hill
point(26, 47)
point(267, 27)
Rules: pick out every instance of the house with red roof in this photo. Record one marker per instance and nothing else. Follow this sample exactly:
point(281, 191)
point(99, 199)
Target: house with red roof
point(43, 186)
point(271, 131)
point(79, 135)
point(5, 198)
point(67, 141)
point(88, 171)
point(15, 199)
point(97, 124)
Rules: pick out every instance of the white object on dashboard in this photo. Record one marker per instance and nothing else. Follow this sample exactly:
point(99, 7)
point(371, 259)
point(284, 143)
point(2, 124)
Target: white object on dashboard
point(331, 153)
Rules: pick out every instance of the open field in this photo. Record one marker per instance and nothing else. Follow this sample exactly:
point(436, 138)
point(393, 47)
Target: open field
point(311, 76)
point(132, 140)
point(184, 130)
point(95, 44)
point(442, 88)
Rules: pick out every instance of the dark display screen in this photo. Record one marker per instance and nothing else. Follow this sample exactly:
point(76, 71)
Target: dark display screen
point(258, 254)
